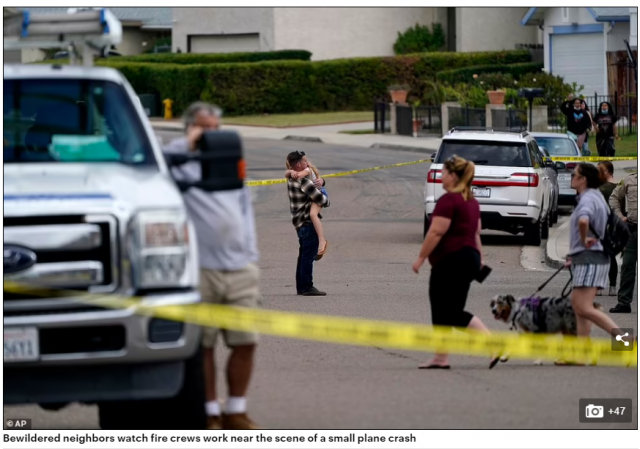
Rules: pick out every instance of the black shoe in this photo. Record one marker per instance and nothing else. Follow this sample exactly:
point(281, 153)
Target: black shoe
point(313, 292)
point(620, 308)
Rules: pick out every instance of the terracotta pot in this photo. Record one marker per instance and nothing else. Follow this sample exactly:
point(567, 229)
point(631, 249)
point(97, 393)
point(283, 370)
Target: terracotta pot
point(496, 96)
point(399, 96)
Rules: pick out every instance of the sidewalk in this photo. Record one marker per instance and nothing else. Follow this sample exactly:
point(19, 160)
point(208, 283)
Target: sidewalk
point(328, 134)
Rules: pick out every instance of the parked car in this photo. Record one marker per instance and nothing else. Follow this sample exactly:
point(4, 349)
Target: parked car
point(510, 183)
point(551, 168)
point(559, 145)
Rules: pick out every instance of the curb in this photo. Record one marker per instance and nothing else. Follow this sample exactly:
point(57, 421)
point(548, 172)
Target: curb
point(386, 146)
point(551, 258)
point(304, 139)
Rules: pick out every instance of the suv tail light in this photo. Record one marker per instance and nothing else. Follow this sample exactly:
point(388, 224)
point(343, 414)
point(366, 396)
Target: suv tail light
point(432, 177)
point(532, 179)
point(515, 180)
point(571, 166)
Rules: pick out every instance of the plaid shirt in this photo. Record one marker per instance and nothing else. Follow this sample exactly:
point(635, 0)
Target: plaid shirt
point(302, 192)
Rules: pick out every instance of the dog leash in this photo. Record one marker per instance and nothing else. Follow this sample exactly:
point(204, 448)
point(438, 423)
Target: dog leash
point(564, 295)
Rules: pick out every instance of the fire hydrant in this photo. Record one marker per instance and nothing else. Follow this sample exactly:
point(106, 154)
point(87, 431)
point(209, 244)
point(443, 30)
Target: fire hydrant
point(168, 109)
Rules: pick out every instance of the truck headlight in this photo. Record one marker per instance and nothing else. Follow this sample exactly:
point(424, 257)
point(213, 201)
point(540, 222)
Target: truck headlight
point(160, 249)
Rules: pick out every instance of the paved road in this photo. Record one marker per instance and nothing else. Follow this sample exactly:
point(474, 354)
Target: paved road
point(374, 227)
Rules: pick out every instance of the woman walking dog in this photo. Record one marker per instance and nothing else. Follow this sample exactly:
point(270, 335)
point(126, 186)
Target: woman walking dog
point(587, 259)
point(454, 250)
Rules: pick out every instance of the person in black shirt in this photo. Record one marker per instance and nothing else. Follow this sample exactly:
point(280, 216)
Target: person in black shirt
point(606, 130)
point(578, 119)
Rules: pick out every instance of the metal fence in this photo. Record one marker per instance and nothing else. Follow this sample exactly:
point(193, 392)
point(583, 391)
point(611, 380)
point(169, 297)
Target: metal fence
point(509, 118)
point(382, 117)
point(624, 108)
point(430, 120)
point(404, 120)
point(466, 116)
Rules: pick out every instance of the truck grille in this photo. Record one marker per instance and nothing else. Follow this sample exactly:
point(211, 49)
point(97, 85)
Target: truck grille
point(73, 252)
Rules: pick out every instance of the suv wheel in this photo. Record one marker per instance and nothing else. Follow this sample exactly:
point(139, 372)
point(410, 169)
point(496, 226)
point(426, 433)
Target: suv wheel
point(533, 234)
point(555, 215)
point(184, 411)
point(545, 225)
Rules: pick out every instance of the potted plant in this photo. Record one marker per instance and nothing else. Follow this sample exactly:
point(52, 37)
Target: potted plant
point(496, 96)
point(399, 93)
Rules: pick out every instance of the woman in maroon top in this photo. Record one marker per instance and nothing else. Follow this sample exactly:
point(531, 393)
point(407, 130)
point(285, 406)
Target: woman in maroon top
point(454, 250)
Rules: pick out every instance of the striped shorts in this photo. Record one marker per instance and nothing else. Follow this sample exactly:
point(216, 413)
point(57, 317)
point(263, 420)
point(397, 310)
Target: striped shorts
point(590, 275)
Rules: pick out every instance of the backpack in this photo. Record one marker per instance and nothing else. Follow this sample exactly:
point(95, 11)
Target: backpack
point(616, 234)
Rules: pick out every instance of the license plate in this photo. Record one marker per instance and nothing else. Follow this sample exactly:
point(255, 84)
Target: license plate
point(21, 344)
point(481, 192)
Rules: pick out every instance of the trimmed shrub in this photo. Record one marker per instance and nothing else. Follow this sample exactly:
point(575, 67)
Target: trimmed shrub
point(420, 39)
point(218, 58)
point(465, 75)
point(296, 86)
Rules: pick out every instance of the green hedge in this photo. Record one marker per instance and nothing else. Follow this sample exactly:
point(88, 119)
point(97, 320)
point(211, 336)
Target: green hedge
point(297, 86)
point(217, 58)
point(465, 75)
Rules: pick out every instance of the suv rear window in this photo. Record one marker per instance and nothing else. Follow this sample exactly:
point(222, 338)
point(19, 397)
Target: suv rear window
point(72, 120)
point(483, 152)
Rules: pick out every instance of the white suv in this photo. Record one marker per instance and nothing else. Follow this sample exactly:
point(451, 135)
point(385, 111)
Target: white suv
point(510, 181)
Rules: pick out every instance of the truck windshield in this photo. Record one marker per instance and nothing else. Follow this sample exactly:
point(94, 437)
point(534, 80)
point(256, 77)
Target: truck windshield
point(483, 152)
point(72, 120)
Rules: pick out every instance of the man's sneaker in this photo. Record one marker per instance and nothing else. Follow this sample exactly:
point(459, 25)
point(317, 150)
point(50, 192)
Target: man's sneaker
point(313, 292)
point(599, 292)
point(214, 423)
point(238, 421)
point(619, 308)
point(613, 291)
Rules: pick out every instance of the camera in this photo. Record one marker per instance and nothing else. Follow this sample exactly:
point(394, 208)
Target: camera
point(594, 411)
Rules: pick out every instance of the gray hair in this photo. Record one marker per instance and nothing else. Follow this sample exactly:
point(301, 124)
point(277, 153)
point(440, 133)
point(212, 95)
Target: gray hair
point(189, 116)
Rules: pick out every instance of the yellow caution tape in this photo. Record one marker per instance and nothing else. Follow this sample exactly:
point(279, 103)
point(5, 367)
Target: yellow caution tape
point(593, 158)
point(335, 175)
point(363, 332)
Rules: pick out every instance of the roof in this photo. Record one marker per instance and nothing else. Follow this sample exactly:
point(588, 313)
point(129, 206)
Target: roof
point(27, 71)
point(535, 16)
point(551, 135)
point(150, 17)
point(492, 136)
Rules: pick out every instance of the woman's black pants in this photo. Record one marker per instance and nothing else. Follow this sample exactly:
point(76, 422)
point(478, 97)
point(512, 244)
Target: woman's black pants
point(449, 286)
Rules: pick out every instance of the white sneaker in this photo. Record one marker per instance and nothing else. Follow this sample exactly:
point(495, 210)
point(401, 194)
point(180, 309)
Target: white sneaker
point(613, 291)
point(599, 292)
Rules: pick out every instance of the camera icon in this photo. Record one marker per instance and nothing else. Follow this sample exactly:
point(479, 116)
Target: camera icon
point(9, 423)
point(594, 411)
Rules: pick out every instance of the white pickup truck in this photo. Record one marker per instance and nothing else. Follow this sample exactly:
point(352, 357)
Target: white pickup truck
point(89, 205)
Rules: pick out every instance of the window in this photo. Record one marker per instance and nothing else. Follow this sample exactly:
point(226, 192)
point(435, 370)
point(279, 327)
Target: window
point(49, 120)
point(483, 152)
point(536, 157)
point(558, 146)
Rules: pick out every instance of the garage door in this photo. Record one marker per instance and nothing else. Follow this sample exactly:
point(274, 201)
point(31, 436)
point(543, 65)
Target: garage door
point(580, 58)
point(228, 43)
point(12, 56)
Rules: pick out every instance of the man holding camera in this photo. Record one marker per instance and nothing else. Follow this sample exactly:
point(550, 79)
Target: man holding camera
point(624, 202)
point(227, 249)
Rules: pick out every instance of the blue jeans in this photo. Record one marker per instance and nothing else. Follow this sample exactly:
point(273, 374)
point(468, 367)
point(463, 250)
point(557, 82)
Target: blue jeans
point(307, 253)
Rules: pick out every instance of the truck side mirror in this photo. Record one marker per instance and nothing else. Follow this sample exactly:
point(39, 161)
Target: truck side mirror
point(561, 165)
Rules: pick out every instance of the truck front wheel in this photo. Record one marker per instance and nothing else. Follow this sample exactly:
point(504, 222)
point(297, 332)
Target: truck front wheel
point(185, 411)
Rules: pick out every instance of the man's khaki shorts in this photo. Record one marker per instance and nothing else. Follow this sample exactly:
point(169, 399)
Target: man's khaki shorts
point(233, 288)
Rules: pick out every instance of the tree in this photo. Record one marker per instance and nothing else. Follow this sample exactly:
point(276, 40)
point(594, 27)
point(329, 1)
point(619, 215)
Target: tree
point(420, 39)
